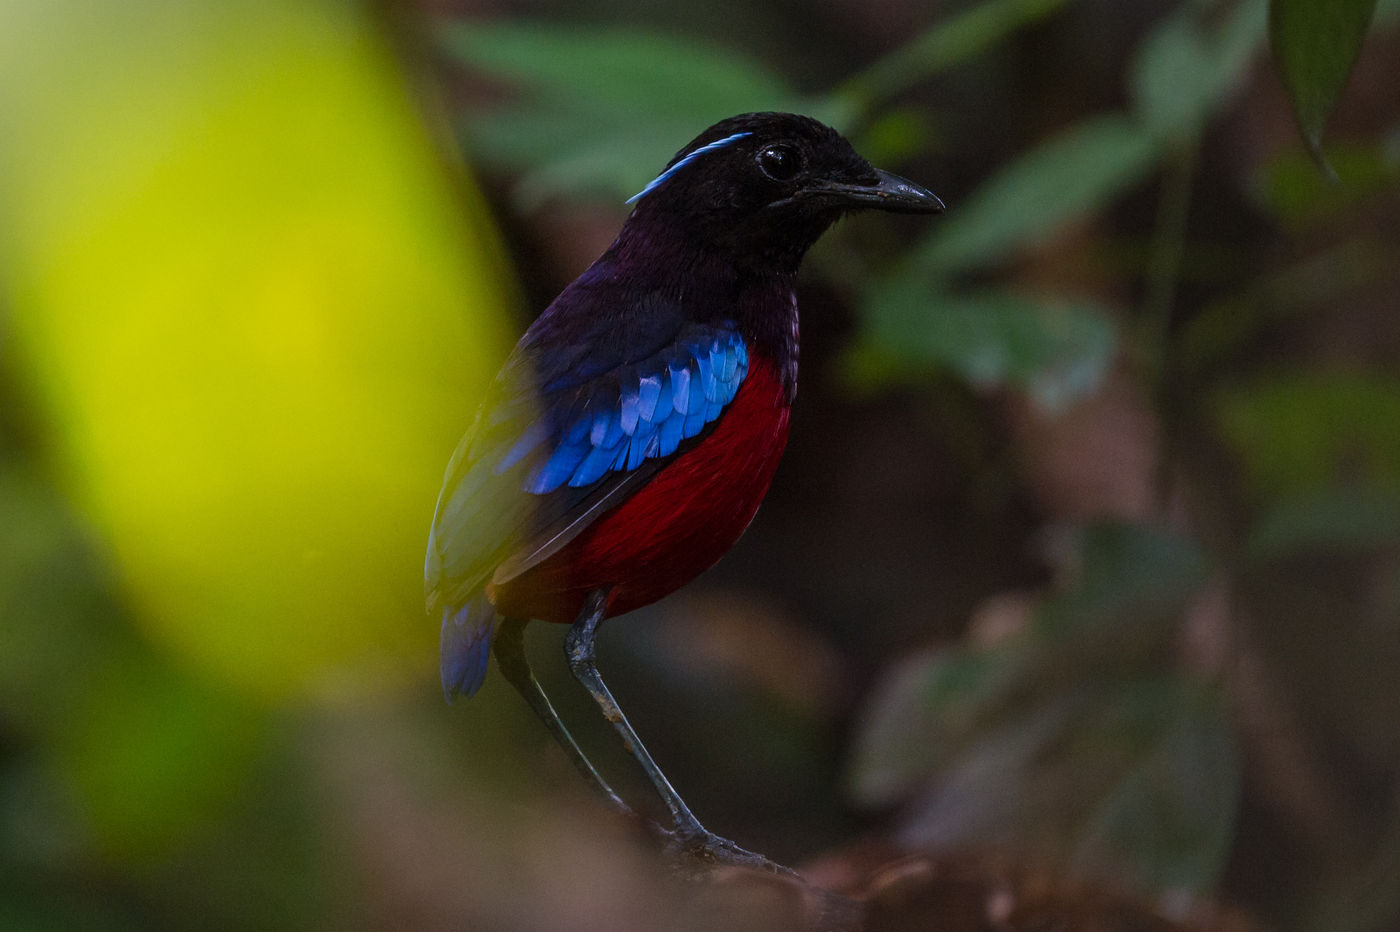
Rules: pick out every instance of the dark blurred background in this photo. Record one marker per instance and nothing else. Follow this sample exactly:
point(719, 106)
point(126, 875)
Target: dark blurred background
point(1085, 553)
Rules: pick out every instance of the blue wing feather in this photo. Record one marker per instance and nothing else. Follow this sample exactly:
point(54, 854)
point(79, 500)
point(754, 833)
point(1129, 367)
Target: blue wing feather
point(534, 435)
point(630, 413)
point(662, 408)
point(731, 362)
point(466, 646)
point(557, 470)
point(672, 431)
point(694, 423)
point(706, 371)
point(594, 466)
point(679, 370)
point(696, 403)
point(580, 430)
point(649, 395)
point(639, 412)
point(644, 446)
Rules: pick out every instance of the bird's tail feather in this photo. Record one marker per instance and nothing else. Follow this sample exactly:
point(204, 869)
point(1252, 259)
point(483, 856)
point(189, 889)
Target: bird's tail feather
point(466, 645)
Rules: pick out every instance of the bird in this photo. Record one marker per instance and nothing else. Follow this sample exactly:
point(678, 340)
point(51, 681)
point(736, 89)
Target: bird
point(632, 433)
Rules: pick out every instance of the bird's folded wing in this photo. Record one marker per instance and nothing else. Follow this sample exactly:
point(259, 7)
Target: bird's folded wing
point(576, 449)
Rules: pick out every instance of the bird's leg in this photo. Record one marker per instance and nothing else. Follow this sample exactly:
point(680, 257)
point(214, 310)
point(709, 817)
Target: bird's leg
point(509, 648)
point(690, 838)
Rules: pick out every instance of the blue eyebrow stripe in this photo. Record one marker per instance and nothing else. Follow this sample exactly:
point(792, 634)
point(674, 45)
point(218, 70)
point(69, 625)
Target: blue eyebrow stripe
point(708, 147)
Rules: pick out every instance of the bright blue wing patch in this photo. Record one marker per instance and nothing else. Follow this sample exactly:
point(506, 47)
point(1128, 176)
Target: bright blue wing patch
point(576, 447)
point(661, 178)
point(637, 413)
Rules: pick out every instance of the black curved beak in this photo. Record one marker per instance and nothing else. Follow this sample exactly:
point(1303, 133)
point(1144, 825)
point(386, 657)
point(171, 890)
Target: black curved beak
point(890, 192)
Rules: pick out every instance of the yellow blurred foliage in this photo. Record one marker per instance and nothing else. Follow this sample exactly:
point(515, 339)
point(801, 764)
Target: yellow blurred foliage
point(251, 306)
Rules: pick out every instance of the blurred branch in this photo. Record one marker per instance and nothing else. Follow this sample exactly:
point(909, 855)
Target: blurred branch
point(1153, 344)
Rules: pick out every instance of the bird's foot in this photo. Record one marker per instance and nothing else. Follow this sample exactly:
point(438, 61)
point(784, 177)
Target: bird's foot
point(706, 848)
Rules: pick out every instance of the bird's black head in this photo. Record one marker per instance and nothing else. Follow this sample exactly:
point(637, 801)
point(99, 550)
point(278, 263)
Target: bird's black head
point(766, 185)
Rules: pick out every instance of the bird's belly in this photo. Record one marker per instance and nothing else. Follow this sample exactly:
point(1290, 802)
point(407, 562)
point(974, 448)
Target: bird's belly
point(676, 526)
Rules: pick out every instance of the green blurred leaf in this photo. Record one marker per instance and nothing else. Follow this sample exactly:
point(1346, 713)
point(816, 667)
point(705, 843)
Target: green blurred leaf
point(252, 414)
point(1298, 432)
point(602, 110)
point(1069, 175)
point(1127, 576)
point(1057, 351)
point(154, 756)
point(922, 716)
point(50, 589)
point(1066, 737)
point(640, 73)
point(897, 136)
point(1315, 45)
point(1236, 321)
point(1132, 777)
point(1290, 187)
point(1333, 521)
point(30, 910)
point(947, 43)
point(1181, 73)
point(606, 167)
point(999, 789)
point(1168, 821)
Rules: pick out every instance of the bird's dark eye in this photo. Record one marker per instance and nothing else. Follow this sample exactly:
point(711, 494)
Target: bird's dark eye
point(781, 163)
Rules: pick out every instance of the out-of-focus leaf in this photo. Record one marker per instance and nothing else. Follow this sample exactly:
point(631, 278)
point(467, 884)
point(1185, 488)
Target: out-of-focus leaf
point(1366, 900)
point(514, 137)
point(602, 110)
point(1290, 187)
point(897, 135)
point(1057, 351)
point(1315, 45)
point(1172, 809)
point(34, 911)
point(990, 792)
point(1135, 778)
point(153, 755)
point(594, 166)
point(948, 43)
point(639, 73)
point(1067, 738)
point(1127, 576)
point(48, 590)
point(250, 325)
point(1181, 74)
point(1180, 77)
point(1233, 321)
point(1071, 174)
point(1333, 521)
point(921, 717)
point(1298, 432)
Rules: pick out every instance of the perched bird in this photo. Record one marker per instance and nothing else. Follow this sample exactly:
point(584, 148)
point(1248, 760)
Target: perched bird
point(629, 438)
